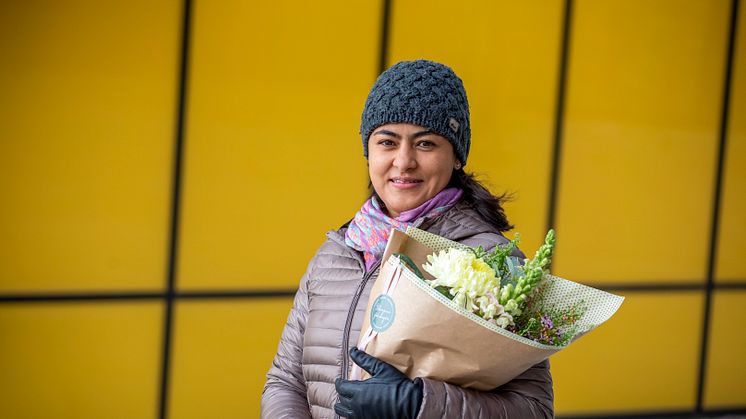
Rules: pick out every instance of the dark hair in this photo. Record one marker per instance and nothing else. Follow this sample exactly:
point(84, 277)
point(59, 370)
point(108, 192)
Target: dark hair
point(479, 198)
point(487, 205)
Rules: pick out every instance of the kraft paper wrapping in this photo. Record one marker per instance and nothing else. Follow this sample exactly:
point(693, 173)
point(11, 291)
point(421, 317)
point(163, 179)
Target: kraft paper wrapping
point(424, 335)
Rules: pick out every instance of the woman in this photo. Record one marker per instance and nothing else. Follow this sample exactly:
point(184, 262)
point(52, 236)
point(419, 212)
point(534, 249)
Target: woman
point(416, 137)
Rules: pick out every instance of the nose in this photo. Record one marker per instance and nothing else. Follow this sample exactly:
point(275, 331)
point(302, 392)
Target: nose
point(405, 158)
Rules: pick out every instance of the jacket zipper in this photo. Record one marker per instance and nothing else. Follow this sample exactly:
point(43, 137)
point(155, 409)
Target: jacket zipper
point(348, 323)
point(335, 236)
point(351, 312)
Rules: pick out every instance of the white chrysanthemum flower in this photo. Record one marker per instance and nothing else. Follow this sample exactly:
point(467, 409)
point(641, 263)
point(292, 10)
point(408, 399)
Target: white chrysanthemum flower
point(459, 299)
point(469, 279)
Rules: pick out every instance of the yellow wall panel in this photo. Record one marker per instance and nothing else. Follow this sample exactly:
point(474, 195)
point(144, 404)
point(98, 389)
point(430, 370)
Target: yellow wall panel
point(642, 119)
point(273, 154)
point(507, 54)
point(222, 351)
point(87, 113)
point(732, 234)
point(645, 358)
point(726, 365)
point(80, 360)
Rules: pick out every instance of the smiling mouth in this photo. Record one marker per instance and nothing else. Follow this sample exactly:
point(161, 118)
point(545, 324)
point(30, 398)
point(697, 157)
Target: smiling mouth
point(404, 184)
point(399, 181)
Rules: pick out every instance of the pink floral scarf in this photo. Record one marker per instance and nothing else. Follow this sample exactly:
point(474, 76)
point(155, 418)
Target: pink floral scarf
point(369, 230)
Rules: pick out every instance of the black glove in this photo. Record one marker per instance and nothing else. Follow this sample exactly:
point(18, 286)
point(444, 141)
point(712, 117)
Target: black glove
point(387, 394)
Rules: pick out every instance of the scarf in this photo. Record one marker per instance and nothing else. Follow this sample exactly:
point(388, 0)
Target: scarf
point(369, 230)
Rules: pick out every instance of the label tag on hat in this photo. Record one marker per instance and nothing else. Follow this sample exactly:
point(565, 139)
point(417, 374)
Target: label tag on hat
point(453, 123)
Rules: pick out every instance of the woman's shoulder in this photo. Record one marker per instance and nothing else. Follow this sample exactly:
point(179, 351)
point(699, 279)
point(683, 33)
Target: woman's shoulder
point(464, 224)
point(334, 253)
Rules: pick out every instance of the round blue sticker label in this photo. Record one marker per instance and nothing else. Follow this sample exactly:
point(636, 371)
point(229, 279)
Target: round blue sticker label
point(382, 313)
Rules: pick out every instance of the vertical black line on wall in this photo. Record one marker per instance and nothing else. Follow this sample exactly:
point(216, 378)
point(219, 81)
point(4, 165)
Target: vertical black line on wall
point(560, 115)
point(715, 223)
point(384, 47)
point(175, 210)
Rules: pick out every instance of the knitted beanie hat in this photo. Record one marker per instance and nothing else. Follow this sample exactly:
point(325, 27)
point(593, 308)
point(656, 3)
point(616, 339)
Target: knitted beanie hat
point(423, 93)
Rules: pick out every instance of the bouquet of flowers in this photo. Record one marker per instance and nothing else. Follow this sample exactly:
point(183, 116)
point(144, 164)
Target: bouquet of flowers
point(443, 310)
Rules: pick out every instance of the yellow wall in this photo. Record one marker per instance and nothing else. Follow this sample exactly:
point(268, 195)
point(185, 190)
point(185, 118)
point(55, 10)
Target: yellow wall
point(88, 129)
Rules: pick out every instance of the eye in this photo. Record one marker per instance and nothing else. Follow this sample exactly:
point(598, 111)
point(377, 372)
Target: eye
point(426, 144)
point(386, 143)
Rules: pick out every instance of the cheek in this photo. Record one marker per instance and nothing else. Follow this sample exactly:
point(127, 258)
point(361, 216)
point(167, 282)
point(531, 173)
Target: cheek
point(375, 170)
point(444, 177)
point(441, 171)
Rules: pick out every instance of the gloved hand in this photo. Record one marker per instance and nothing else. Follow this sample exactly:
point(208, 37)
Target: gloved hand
point(387, 394)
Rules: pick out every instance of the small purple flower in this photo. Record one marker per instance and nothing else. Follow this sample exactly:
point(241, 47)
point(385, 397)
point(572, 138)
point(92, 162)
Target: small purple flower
point(547, 322)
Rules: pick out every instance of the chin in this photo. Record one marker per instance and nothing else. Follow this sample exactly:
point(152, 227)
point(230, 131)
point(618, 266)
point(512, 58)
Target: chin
point(406, 206)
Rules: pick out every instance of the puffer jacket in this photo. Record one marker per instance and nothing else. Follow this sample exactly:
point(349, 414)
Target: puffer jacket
point(326, 319)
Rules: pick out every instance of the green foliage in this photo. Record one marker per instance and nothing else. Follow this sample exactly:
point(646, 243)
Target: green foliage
point(498, 258)
point(513, 297)
point(548, 324)
point(410, 264)
point(444, 290)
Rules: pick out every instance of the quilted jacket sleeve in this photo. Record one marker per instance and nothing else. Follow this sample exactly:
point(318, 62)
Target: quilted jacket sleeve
point(529, 395)
point(284, 394)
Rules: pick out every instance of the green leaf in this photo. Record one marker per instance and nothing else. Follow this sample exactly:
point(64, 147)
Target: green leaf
point(444, 290)
point(410, 264)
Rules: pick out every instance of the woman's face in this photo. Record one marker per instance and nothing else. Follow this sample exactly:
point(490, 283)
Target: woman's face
point(408, 165)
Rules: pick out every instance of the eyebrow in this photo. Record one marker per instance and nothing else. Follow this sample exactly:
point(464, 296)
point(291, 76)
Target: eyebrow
point(397, 136)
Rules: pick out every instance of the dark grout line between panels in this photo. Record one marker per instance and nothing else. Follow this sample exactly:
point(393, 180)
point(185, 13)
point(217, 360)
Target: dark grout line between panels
point(137, 296)
point(559, 120)
point(175, 209)
point(383, 55)
point(708, 413)
point(716, 201)
point(657, 287)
